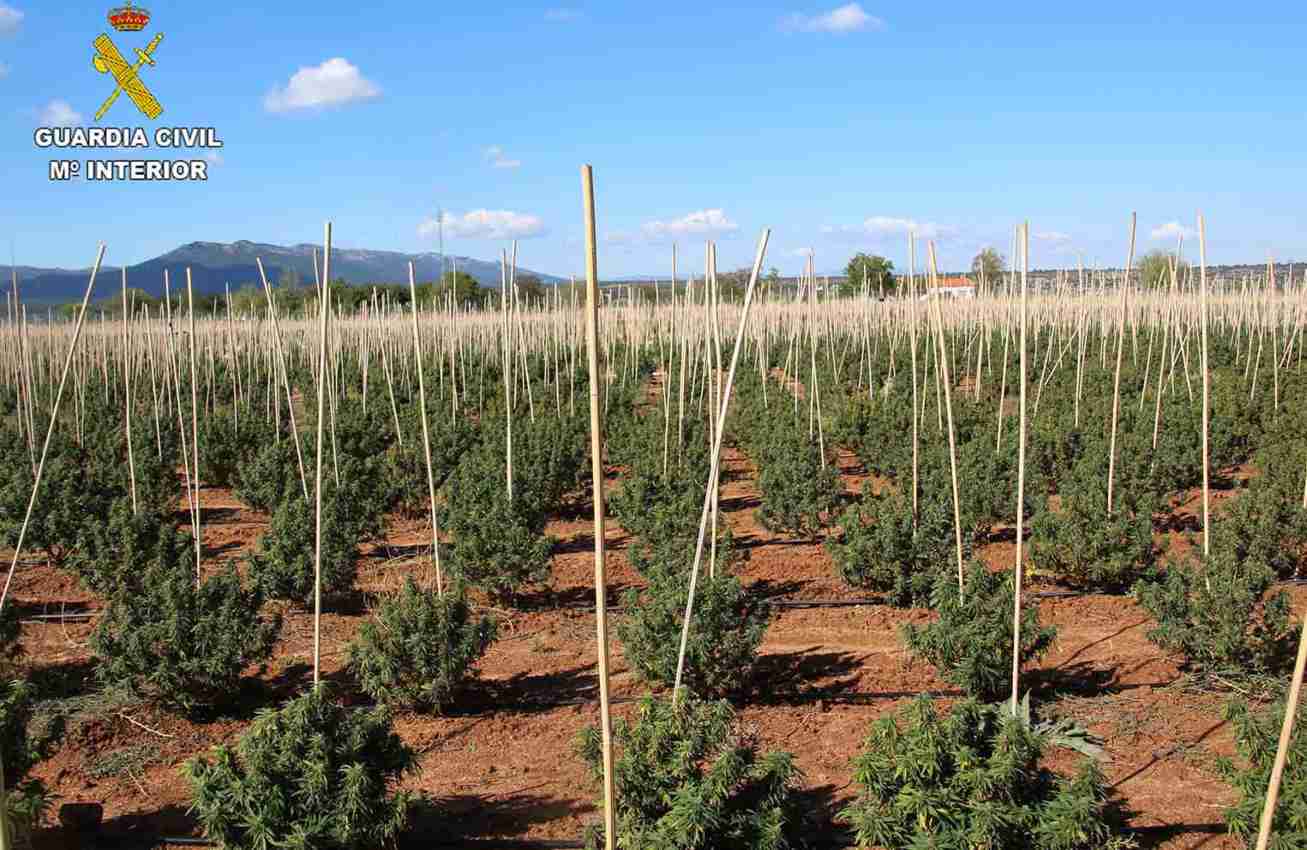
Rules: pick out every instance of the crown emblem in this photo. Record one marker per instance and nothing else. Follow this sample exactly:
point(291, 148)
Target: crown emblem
point(127, 18)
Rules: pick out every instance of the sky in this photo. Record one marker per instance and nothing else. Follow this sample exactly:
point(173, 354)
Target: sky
point(840, 127)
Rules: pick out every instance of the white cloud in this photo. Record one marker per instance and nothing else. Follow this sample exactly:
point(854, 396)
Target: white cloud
point(332, 83)
point(562, 15)
point(850, 17)
point(10, 18)
point(882, 227)
point(701, 222)
point(59, 113)
point(1056, 237)
point(213, 158)
point(1172, 230)
point(800, 252)
point(485, 224)
point(498, 159)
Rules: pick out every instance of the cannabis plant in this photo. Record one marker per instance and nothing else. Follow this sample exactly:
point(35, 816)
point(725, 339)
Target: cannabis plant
point(800, 492)
point(1268, 524)
point(1082, 544)
point(173, 641)
point(311, 774)
point(23, 744)
point(1257, 736)
point(496, 549)
point(109, 554)
point(971, 778)
point(878, 548)
point(726, 628)
point(420, 648)
point(690, 777)
point(283, 567)
point(971, 641)
point(269, 475)
point(1220, 615)
point(223, 447)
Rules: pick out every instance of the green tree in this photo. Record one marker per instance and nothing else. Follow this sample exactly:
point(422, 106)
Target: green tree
point(530, 288)
point(464, 286)
point(989, 264)
point(877, 271)
point(1154, 269)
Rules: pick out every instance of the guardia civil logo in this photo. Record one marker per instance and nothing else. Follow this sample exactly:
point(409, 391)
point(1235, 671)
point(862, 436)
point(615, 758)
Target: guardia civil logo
point(127, 77)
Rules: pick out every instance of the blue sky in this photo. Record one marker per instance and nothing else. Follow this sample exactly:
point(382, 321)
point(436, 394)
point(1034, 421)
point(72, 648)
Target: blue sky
point(839, 126)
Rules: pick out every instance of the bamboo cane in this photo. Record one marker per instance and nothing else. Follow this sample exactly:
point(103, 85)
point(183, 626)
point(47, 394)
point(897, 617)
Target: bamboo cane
point(597, 483)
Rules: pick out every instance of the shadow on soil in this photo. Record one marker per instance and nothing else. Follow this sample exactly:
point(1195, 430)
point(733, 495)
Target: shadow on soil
point(1161, 835)
point(473, 816)
point(521, 693)
point(128, 832)
point(805, 675)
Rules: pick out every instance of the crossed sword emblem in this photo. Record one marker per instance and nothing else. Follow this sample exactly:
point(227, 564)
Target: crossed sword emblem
point(109, 61)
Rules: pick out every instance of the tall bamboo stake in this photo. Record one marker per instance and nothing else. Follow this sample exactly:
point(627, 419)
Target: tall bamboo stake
point(1202, 282)
point(49, 433)
point(195, 428)
point(1116, 384)
point(942, 351)
point(324, 294)
point(127, 392)
point(1018, 568)
point(597, 483)
point(426, 437)
point(716, 463)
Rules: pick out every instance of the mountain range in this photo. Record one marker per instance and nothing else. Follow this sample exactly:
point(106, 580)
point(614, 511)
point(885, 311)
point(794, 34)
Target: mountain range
point(214, 265)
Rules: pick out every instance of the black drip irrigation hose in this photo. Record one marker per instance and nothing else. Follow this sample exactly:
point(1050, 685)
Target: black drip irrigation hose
point(854, 602)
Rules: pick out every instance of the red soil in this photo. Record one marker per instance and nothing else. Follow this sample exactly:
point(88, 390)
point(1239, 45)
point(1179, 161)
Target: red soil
point(502, 764)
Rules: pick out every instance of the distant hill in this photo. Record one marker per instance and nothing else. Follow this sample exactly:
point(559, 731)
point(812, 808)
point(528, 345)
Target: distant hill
point(216, 264)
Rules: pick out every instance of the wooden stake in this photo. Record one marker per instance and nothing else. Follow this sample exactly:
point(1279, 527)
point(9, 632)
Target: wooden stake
point(716, 464)
point(323, 307)
point(195, 427)
point(597, 482)
point(1018, 570)
point(1202, 300)
point(1116, 385)
point(127, 392)
point(49, 433)
point(426, 437)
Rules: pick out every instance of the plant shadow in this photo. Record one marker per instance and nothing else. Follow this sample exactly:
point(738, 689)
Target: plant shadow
point(804, 675)
point(485, 816)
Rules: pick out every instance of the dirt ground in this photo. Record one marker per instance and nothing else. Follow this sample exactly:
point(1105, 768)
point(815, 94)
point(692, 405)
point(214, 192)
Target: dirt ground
point(502, 765)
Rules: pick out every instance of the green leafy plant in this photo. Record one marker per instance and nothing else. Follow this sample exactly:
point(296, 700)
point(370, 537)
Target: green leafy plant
point(496, 549)
point(971, 778)
point(499, 543)
point(111, 553)
point(269, 476)
point(877, 548)
point(311, 774)
point(176, 642)
point(1267, 524)
point(222, 448)
point(1220, 615)
point(283, 566)
point(1081, 544)
point(691, 777)
point(725, 631)
point(420, 648)
point(1257, 735)
point(800, 493)
point(971, 641)
point(24, 743)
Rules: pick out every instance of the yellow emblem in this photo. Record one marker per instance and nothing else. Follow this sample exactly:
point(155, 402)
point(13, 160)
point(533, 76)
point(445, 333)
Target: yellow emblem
point(109, 61)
